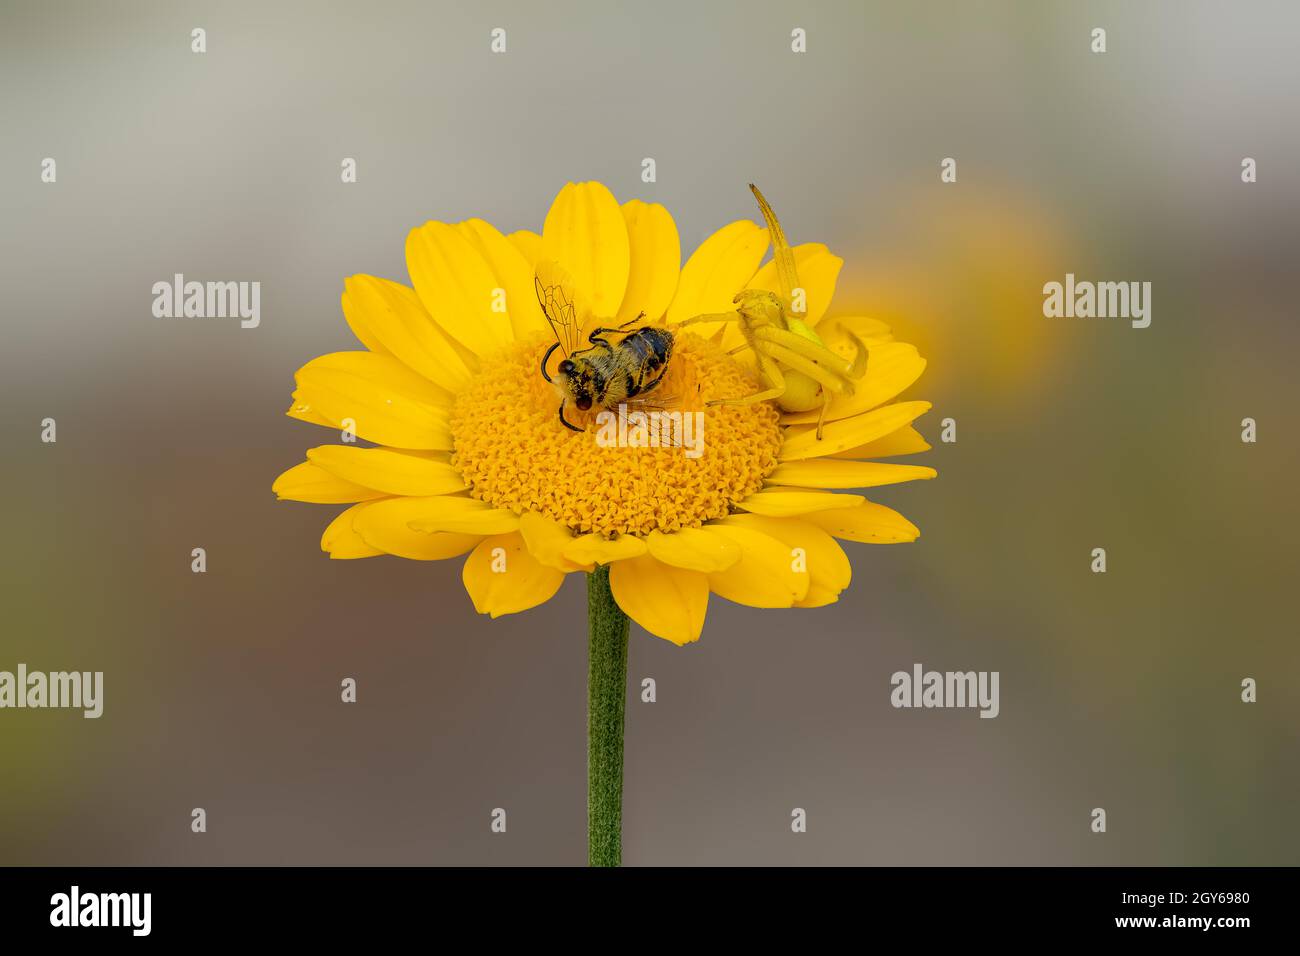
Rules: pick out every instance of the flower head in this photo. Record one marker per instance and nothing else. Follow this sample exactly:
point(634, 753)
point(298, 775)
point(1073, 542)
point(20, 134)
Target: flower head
point(469, 456)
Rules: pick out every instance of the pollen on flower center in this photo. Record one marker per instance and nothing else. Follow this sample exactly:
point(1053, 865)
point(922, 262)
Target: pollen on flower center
point(513, 451)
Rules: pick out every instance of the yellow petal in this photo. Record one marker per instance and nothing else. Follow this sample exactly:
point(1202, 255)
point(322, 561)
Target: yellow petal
point(818, 270)
point(547, 539)
point(385, 369)
point(869, 523)
point(823, 560)
point(781, 502)
point(694, 549)
point(891, 368)
point(905, 441)
point(389, 319)
point(764, 576)
point(656, 260)
point(441, 513)
point(667, 601)
point(457, 287)
point(389, 470)
point(719, 268)
point(358, 318)
point(341, 540)
point(529, 245)
point(387, 402)
point(503, 578)
point(384, 525)
point(832, 473)
point(312, 483)
point(596, 549)
point(305, 413)
point(513, 272)
point(801, 440)
point(818, 597)
point(586, 234)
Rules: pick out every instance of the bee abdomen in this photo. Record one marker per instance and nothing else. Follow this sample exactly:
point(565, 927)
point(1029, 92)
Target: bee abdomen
point(653, 346)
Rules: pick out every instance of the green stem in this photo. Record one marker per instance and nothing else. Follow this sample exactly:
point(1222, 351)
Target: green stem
point(606, 695)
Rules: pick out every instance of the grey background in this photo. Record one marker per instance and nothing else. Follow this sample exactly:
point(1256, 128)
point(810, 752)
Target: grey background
point(1119, 691)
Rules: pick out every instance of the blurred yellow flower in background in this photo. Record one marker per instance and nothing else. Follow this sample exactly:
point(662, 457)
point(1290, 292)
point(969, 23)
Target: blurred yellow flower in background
point(962, 276)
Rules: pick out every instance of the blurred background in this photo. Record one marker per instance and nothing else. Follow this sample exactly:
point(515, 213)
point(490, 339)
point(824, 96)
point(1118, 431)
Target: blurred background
point(1119, 690)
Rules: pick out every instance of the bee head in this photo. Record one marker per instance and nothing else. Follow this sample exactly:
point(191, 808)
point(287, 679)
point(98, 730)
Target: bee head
point(576, 386)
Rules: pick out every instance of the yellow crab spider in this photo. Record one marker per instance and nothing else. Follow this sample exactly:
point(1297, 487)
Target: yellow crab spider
point(796, 368)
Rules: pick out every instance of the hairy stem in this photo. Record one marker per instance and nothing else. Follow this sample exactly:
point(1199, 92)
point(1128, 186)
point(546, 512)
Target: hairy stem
point(606, 695)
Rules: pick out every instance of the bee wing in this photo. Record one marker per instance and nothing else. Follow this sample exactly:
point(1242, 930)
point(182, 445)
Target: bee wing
point(559, 301)
point(782, 254)
point(658, 402)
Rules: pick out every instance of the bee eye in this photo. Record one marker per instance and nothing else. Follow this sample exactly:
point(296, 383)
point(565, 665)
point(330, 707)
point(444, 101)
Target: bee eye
point(566, 367)
point(583, 404)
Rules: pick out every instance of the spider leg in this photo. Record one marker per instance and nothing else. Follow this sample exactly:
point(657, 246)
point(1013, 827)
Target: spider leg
point(816, 361)
point(771, 373)
point(859, 367)
point(811, 350)
point(782, 254)
point(798, 363)
point(711, 317)
point(821, 417)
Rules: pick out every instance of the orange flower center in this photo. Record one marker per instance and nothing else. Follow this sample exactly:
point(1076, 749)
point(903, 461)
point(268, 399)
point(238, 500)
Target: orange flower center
point(680, 466)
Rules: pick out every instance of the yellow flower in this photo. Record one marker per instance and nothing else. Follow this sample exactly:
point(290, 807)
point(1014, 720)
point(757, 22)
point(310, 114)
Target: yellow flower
point(471, 458)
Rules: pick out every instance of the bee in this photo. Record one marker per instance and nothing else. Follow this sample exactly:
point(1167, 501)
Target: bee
point(795, 367)
point(604, 374)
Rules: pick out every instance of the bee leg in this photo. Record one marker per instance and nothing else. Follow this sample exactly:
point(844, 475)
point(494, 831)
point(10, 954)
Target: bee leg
point(546, 358)
point(564, 421)
point(650, 385)
point(602, 329)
